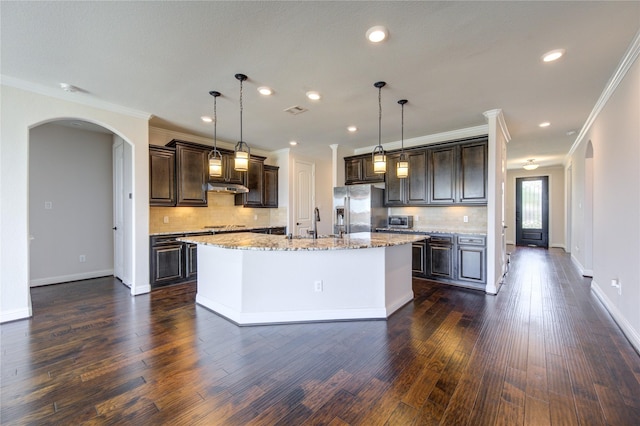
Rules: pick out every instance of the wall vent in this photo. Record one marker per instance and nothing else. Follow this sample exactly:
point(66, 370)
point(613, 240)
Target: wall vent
point(296, 109)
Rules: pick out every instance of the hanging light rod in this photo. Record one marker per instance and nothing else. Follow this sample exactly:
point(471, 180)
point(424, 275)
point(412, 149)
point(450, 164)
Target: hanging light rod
point(379, 157)
point(215, 157)
point(242, 150)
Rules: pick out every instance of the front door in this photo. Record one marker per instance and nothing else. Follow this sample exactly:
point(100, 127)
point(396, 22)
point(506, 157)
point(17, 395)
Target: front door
point(532, 211)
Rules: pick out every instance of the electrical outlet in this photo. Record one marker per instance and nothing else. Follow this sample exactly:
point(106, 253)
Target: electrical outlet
point(465, 219)
point(616, 283)
point(255, 217)
point(48, 205)
point(165, 219)
point(317, 285)
point(82, 258)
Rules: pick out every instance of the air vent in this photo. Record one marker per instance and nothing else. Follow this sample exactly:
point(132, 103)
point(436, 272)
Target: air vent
point(295, 110)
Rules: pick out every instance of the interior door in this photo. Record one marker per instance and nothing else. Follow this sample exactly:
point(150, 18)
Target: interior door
point(532, 211)
point(304, 197)
point(118, 210)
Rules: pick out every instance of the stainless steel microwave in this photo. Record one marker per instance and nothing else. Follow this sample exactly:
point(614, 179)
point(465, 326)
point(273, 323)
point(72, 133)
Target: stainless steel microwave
point(400, 221)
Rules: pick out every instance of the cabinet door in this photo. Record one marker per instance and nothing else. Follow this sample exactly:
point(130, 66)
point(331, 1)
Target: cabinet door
point(192, 171)
point(442, 175)
point(418, 257)
point(368, 175)
point(253, 181)
point(231, 175)
point(270, 186)
point(353, 171)
point(417, 181)
point(473, 173)
point(162, 176)
point(394, 193)
point(471, 264)
point(191, 261)
point(440, 261)
point(166, 264)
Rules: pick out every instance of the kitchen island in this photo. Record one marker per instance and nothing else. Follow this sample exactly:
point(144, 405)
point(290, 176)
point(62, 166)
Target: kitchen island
point(265, 279)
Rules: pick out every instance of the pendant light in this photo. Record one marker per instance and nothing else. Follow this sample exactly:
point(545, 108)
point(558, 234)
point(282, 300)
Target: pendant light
point(379, 157)
point(242, 150)
point(402, 168)
point(215, 157)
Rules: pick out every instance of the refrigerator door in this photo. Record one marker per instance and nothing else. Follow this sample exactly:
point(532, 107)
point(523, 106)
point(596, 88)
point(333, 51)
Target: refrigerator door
point(340, 212)
point(359, 208)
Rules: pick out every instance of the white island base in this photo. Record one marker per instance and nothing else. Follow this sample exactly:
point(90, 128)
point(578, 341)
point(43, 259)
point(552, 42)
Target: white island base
point(264, 287)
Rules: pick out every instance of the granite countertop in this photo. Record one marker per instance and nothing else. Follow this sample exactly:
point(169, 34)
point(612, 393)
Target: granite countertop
point(429, 231)
point(215, 230)
point(250, 241)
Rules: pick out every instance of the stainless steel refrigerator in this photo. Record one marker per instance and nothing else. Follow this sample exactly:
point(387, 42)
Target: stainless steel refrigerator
point(358, 208)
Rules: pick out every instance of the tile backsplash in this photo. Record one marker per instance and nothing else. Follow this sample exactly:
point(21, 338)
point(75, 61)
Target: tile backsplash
point(220, 211)
point(446, 219)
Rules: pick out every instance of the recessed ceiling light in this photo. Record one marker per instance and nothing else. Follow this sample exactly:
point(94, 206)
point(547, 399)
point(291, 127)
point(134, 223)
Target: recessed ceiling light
point(376, 34)
point(553, 55)
point(544, 124)
point(313, 95)
point(264, 90)
point(293, 143)
point(68, 87)
point(206, 119)
point(352, 128)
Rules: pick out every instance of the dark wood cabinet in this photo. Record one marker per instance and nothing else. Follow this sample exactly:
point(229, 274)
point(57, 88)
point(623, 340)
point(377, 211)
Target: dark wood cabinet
point(254, 180)
point(440, 257)
point(418, 258)
point(471, 258)
point(167, 260)
point(162, 176)
point(192, 170)
point(458, 174)
point(229, 173)
point(270, 183)
point(359, 169)
point(473, 173)
point(411, 191)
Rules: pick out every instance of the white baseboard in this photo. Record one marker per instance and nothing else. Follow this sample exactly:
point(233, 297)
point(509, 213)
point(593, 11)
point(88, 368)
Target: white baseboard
point(16, 314)
point(584, 272)
point(627, 329)
point(561, 246)
point(72, 277)
point(140, 289)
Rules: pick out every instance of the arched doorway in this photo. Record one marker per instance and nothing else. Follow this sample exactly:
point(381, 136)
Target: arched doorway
point(79, 217)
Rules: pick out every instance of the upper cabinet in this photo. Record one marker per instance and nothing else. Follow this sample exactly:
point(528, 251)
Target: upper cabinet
point(359, 169)
point(254, 180)
point(270, 183)
point(443, 174)
point(162, 176)
point(229, 174)
point(192, 163)
point(458, 173)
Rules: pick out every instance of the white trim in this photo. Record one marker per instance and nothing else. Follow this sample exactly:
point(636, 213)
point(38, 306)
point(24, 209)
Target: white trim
point(430, 139)
point(623, 67)
point(70, 277)
point(82, 98)
point(618, 317)
point(16, 314)
point(583, 272)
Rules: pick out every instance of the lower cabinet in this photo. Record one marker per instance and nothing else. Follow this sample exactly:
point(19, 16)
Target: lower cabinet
point(418, 258)
point(472, 260)
point(171, 261)
point(440, 257)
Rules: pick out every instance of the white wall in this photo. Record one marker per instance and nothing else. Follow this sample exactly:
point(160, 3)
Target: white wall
point(22, 108)
point(72, 170)
point(556, 203)
point(615, 135)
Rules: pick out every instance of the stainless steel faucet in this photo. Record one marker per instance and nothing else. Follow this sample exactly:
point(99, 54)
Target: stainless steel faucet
point(316, 219)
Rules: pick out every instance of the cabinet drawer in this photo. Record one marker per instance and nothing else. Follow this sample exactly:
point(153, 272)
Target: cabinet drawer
point(466, 240)
point(165, 239)
point(441, 239)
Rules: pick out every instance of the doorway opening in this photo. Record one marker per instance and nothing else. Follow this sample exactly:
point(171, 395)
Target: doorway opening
point(532, 211)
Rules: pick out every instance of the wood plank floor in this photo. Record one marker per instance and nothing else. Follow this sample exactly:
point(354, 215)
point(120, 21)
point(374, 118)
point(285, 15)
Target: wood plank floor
point(542, 352)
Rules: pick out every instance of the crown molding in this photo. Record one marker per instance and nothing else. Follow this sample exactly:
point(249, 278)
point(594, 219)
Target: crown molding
point(625, 65)
point(82, 98)
point(429, 139)
point(500, 121)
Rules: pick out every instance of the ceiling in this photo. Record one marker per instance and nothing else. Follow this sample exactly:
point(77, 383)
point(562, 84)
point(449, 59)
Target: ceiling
point(451, 60)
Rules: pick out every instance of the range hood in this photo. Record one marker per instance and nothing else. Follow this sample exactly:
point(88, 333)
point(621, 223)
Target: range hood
point(229, 188)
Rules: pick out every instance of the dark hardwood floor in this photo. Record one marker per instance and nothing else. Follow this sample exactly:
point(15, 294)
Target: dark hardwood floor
point(543, 351)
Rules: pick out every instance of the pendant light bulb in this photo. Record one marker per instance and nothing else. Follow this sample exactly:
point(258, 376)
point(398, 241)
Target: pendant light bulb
point(379, 157)
point(215, 157)
point(402, 168)
point(242, 150)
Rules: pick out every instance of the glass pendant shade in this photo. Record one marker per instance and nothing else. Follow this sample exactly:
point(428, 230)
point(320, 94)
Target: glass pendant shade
point(241, 160)
point(215, 164)
point(402, 168)
point(379, 163)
